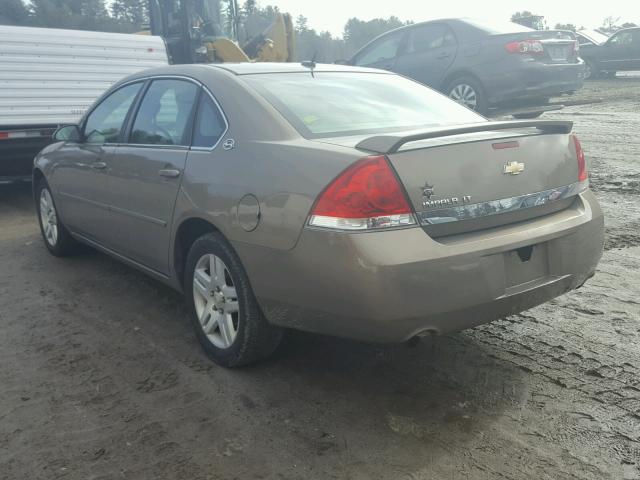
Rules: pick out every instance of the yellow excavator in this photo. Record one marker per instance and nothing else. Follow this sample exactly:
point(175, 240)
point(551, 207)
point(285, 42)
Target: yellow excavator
point(192, 30)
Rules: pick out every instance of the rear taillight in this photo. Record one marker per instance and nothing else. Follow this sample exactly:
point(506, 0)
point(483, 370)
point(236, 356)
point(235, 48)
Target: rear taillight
point(528, 47)
point(582, 164)
point(367, 195)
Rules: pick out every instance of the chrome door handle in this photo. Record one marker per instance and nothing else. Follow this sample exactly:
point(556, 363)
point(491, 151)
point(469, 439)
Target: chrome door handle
point(169, 173)
point(99, 165)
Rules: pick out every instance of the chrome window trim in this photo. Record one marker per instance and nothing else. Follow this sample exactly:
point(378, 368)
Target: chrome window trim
point(151, 145)
point(472, 211)
point(170, 77)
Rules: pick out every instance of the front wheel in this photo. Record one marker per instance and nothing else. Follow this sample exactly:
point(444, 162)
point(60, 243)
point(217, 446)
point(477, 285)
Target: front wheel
point(469, 92)
point(225, 313)
point(56, 237)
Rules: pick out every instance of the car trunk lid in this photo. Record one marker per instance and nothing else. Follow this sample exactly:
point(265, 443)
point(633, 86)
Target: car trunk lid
point(483, 175)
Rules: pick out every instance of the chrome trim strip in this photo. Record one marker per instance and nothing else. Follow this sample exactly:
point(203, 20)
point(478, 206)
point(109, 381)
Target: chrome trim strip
point(111, 208)
point(139, 216)
point(161, 77)
point(101, 205)
point(497, 207)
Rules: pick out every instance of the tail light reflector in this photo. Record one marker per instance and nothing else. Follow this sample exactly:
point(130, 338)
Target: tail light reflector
point(528, 47)
point(365, 196)
point(583, 175)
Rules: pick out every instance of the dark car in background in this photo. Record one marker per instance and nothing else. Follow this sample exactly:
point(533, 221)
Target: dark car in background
point(620, 52)
point(482, 65)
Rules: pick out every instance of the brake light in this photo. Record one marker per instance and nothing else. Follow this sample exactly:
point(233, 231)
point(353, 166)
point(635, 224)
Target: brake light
point(583, 175)
point(367, 195)
point(528, 47)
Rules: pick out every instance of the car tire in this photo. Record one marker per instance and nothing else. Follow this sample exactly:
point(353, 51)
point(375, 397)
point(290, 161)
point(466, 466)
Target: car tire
point(469, 92)
point(590, 71)
point(226, 317)
point(527, 116)
point(56, 237)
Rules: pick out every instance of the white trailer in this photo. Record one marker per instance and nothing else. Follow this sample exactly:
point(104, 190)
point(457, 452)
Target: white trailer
point(49, 77)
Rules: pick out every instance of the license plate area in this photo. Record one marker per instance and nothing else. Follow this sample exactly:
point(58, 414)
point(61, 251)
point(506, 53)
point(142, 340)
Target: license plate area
point(558, 53)
point(526, 264)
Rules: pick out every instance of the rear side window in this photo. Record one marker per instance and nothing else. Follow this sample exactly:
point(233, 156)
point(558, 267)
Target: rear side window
point(209, 125)
point(104, 123)
point(334, 104)
point(384, 49)
point(165, 113)
point(429, 37)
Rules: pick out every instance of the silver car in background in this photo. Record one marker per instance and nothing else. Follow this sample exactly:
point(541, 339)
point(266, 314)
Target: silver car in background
point(333, 199)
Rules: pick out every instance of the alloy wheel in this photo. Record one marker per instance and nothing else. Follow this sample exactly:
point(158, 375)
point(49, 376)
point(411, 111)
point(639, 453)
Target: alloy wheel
point(464, 94)
point(216, 301)
point(48, 217)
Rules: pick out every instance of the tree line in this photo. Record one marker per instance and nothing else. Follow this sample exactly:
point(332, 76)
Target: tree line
point(609, 25)
point(130, 16)
point(242, 23)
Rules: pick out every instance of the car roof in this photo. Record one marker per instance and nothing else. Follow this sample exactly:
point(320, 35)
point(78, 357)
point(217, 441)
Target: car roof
point(250, 68)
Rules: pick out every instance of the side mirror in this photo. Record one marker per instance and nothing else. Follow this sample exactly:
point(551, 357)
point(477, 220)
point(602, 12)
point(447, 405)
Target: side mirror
point(67, 133)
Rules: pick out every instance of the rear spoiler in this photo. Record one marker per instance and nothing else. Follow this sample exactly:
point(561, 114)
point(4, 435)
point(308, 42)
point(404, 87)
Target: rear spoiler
point(388, 144)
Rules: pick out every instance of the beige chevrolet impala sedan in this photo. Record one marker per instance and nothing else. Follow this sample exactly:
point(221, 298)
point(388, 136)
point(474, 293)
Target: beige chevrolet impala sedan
point(339, 200)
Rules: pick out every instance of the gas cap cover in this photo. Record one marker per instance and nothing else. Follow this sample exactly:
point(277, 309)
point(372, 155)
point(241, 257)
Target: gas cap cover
point(248, 213)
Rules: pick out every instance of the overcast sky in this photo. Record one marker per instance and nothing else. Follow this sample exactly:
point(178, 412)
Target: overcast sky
point(331, 15)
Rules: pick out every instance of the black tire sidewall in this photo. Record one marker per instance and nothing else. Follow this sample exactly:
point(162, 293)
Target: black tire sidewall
point(482, 106)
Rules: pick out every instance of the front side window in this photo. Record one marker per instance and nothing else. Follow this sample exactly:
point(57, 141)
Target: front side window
point(164, 113)
point(105, 122)
point(333, 104)
point(209, 125)
point(429, 37)
point(385, 49)
point(623, 38)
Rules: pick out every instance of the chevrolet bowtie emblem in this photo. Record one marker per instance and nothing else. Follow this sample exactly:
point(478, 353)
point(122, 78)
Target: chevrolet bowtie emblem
point(513, 168)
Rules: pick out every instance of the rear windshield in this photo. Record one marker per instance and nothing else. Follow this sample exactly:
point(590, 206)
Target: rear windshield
point(497, 27)
point(335, 104)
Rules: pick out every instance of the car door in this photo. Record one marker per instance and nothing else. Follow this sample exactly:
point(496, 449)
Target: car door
point(83, 166)
point(427, 53)
point(617, 53)
point(146, 172)
point(380, 53)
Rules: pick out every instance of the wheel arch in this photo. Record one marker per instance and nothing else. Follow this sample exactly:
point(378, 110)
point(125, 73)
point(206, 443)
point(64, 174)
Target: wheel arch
point(188, 231)
point(36, 177)
point(459, 73)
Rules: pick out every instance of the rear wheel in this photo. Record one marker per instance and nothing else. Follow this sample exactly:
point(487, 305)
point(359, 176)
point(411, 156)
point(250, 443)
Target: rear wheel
point(469, 92)
point(590, 71)
point(56, 237)
point(225, 314)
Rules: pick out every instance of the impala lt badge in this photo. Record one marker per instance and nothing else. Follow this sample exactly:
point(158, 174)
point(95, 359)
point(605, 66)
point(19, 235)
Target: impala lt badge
point(513, 168)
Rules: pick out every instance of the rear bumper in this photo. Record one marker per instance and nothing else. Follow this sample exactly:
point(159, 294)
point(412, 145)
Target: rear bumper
point(390, 286)
point(532, 81)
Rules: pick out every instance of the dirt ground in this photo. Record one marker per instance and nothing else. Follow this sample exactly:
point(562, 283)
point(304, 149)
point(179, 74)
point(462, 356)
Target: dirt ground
point(101, 376)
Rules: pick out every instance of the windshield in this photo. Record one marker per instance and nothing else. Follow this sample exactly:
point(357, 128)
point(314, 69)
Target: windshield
point(333, 104)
